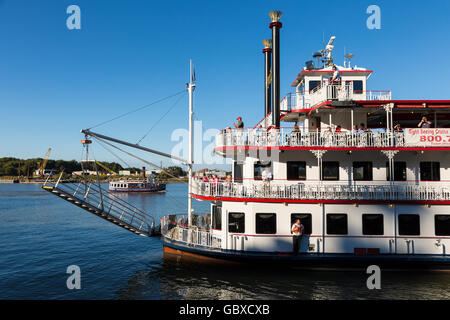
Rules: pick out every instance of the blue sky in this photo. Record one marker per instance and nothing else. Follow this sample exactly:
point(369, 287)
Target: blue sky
point(55, 81)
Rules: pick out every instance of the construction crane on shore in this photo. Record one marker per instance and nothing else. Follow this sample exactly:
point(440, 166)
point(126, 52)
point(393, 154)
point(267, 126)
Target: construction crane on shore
point(106, 168)
point(40, 171)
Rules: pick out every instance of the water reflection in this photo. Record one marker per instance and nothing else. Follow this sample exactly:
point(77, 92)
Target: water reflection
point(176, 279)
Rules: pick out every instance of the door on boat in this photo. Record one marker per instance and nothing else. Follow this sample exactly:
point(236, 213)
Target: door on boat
point(307, 244)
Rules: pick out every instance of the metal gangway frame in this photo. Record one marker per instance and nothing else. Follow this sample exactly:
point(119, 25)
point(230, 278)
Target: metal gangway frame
point(91, 197)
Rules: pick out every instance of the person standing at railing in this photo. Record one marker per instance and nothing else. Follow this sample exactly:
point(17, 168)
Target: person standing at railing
point(424, 123)
point(239, 130)
point(336, 74)
point(297, 233)
point(362, 135)
point(398, 135)
point(266, 177)
point(355, 135)
point(295, 136)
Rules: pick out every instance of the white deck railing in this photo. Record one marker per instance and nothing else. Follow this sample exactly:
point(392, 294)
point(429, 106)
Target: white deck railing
point(174, 230)
point(325, 92)
point(286, 137)
point(323, 191)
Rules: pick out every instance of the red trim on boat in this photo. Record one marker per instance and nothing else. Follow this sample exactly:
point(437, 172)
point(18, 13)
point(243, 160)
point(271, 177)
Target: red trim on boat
point(316, 201)
point(333, 148)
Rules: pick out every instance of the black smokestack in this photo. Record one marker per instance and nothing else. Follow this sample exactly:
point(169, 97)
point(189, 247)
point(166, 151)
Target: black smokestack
point(143, 172)
point(276, 25)
point(267, 76)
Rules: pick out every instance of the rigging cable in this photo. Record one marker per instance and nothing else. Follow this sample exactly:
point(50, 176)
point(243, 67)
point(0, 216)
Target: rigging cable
point(176, 201)
point(134, 156)
point(138, 109)
point(165, 114)
point(120, 159)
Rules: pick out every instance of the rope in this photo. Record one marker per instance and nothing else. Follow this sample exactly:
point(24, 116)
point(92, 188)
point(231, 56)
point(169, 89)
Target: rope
point(138, 109)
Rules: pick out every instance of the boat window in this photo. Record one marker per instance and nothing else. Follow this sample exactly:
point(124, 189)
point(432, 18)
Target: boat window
point(442, 224)
point(259, 168)
point(358, 86)
point(236, 222)
point(305, 220)
point(296, 170)
point(266, 223)
point(330, 170)
point(372, 224)
point(216, 217)
point(238, 169)
point(408, 224)
point(362, 171)
point(337, 223)
point(313, 84)
point(399, 171)
point(429, 171)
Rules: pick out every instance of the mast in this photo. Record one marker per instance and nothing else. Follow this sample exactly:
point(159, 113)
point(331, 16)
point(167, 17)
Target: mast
point(191, 87)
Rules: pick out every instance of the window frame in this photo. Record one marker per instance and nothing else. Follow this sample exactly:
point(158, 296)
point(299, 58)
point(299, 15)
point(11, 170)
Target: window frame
point(259, 164)
point(328, 224)
point(365, 231)
point(369, 171)
point(362, 87)
point(319, 82)
point(432, 168)
point(402, 233)
point(435, 225)
point(297, 162)
point(323, 168)
point(258, 214)
point(229, 218)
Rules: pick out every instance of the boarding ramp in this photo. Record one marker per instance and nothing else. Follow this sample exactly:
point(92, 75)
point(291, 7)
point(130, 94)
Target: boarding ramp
point(92, 198)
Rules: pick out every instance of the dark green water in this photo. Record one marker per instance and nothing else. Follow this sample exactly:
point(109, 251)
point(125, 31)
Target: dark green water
point(41, 235)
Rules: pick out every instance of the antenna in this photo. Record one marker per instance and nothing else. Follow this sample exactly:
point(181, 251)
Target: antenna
point(349, 57)
point(328, 59)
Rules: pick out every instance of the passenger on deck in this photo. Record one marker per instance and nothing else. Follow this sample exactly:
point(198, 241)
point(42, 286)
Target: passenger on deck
point(240, 130)
point(295, 135)
point(424, 123)
point(297, 233)
point(240, 124)
point(362, 127)
point(266, 177)
point(338, 129)
point(336, 74)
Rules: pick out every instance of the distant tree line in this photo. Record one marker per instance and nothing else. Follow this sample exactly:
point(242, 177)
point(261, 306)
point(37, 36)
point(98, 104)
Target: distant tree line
point(21, 167)
point(171, 172)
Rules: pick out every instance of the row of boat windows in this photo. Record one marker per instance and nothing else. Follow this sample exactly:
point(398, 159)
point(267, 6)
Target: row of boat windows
point(336, 223)
point(125, 185)
point(362, 170)
point(357, 85)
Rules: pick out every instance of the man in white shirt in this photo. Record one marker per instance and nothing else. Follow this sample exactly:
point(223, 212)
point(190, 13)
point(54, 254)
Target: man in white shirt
point(297, 233)
point(266, 177)
point(336, 74)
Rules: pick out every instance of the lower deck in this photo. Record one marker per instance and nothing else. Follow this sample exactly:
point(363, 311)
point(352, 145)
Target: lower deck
point(345, 230)
point(189, 253)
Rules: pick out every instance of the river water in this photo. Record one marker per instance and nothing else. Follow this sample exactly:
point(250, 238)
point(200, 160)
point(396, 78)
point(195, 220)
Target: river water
point(41, 235)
